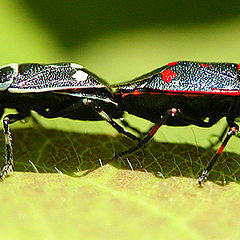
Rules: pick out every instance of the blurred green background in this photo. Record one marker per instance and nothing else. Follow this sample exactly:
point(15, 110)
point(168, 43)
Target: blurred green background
point(118, 41)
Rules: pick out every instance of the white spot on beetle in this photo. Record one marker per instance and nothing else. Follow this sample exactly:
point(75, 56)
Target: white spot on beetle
point(80, 76)
point(15, 68)
point(75, 65)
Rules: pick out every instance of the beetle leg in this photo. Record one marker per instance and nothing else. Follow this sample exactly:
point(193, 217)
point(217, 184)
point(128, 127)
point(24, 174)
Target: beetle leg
point(170, 113)
point(107, 118)
point(232, 131)
point(11, 118)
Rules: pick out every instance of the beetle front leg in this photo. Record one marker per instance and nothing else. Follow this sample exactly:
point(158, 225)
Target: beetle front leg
point(11, 118)
point(9, 153)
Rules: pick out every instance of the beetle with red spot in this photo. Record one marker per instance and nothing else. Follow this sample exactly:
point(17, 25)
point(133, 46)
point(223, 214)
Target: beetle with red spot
point(184, 93)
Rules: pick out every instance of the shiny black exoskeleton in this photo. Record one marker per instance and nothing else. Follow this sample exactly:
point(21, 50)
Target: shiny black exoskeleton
point(183, 93)
point(54, 90)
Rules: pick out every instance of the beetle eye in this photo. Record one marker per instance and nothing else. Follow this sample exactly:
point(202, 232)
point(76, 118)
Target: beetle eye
point(6, 74)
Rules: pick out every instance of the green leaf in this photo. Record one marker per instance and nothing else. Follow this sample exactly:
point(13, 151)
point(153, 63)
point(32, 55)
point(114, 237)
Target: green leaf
point(148, 195)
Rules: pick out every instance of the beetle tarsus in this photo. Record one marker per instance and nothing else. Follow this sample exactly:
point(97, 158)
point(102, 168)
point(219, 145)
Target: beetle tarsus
point(203, 178)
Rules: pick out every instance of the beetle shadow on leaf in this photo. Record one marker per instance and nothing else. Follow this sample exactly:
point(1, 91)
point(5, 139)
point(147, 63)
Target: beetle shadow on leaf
point(52, 151)
point(165, 160)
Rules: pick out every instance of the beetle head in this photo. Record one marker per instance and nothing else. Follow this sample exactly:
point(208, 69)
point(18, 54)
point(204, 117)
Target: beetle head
point(7, 73)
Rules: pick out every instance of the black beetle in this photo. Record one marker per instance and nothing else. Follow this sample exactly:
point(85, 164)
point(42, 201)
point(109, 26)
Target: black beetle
point(183, 93)
point(54, 90)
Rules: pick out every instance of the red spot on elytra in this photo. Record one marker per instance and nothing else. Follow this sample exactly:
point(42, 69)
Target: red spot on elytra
point(238, 67)
point(205, 65)
point(172, 63)
point(168, 75)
